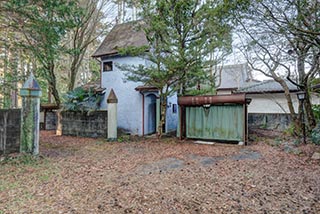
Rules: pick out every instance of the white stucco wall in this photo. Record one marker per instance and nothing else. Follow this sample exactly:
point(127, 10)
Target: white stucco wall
point(129, 100)
point(224, 92)
point(274, 103)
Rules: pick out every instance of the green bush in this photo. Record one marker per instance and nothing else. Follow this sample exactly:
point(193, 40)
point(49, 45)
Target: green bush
point(82, 100)
point(315, 135)
point(316, 112)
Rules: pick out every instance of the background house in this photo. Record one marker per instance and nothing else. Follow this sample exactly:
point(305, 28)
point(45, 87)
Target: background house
point(233, 77)
point(268, 108)
point(138, 105)
point(268, 97)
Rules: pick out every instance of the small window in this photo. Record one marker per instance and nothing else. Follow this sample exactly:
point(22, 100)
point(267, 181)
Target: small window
point(107, 66)
point(174, 108)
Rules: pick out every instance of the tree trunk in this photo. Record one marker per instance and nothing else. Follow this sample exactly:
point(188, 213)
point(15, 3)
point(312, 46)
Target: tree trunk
point(51, 78)
point(163, 109)
point(303, 81)
point(73, 74)
point(293, 116)
point(311, 123)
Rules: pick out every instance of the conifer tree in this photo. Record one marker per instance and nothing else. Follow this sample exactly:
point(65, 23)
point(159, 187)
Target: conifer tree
point(181, 35)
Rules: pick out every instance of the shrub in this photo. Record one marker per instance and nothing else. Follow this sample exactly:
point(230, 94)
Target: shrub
point(82, 100)
point(316, 112)
point(315, 135)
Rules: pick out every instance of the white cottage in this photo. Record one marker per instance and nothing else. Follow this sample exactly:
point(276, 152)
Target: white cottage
point(138, 105)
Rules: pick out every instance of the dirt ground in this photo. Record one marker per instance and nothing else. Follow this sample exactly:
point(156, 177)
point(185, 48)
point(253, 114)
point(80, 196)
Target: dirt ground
point(82, 175)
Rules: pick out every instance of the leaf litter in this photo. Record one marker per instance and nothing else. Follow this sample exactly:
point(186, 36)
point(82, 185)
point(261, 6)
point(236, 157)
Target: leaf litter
point(83, 175)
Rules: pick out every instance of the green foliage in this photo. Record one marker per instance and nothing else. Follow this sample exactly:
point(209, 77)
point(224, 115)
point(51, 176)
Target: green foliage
point(24, 159)
point(315, 135)
point(94, 67)
point(82, 100)
point(124, 139)
point(181, 35)
point(290, 130)
point(133, 51)
point(316, 112)
point(44, 25)
point(9, 74)
point(195, 92)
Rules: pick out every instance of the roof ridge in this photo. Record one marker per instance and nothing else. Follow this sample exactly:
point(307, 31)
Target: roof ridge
point(256, 84)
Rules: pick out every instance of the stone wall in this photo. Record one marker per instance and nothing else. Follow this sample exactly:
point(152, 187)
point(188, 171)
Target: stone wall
point(10, 128)
point(51, 120)
point(94, 124)
point(278, 122)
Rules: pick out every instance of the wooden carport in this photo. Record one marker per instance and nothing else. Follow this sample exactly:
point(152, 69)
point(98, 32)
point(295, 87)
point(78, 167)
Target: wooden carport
point(217, 117)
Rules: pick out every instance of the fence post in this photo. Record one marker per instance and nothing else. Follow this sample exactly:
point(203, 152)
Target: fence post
point(59, 124)
point(112, 116)
point(30, 93)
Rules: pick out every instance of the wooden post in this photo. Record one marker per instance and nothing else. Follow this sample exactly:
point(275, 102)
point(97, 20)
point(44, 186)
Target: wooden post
point(112, 102)
point(59, 125)
point(30, 93)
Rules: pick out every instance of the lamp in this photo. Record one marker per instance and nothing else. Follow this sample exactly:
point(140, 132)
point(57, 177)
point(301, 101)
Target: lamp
point(206, 106)
point(301, 95)
point(248, 100)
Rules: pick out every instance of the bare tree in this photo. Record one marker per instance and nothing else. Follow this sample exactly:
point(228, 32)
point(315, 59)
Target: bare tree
point(280, 35)
point(89, 27)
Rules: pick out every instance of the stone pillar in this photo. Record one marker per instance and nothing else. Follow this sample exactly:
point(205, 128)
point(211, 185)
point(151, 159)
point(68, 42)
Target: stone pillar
point(30, 93)
point(112, 102)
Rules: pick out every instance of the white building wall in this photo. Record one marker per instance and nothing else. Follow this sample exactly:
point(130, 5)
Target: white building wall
point(224, 92)
point(271, 103)
point(129, 100)
point(274, 103)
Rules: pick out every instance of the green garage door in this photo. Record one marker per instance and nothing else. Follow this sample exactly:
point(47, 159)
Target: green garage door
point(225, 122)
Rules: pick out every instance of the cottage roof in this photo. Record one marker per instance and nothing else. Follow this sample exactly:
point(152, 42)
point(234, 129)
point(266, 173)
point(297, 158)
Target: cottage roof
point(267, 86)
point(124, 35)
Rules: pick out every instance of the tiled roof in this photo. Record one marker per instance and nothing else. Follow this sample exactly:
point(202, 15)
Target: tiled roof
point(266, 86)
point(124, 35)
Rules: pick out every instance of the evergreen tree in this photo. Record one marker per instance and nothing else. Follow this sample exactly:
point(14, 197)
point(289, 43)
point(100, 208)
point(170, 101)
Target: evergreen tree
point(181, 35)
